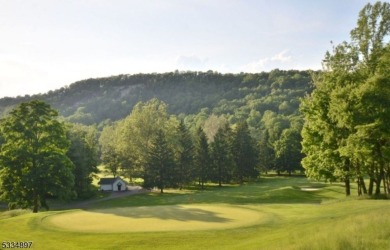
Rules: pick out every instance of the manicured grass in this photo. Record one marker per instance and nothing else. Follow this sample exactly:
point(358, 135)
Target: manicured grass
point(267, 190)
point(289, 217)
point(155, 218)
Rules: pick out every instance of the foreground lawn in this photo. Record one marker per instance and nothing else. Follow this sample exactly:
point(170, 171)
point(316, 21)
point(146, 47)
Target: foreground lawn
point(276, 213)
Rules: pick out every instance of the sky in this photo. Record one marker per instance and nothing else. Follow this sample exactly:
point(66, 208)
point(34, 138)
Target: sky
point(48, 44)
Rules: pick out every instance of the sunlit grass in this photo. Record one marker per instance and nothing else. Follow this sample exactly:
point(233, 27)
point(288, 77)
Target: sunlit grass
point(13, 213)
point(265, 191)
point(155, 218)
point(290, 218)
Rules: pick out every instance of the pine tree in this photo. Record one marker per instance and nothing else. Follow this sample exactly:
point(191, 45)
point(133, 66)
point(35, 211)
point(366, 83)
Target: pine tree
point(266, 153)
point(202, 157)
point(185, 156)
point(245, 153)
point(221, 155)
point(160, 163)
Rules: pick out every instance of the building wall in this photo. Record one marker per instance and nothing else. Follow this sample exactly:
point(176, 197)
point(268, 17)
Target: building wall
point(106, 187)
point(123, 188)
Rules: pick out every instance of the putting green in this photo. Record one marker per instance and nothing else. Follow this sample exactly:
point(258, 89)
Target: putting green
point(155, 218)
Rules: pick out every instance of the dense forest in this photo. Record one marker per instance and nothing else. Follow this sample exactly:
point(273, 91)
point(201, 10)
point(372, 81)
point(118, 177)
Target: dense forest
point(119, 122)
point(268, 102)
point(239, 96)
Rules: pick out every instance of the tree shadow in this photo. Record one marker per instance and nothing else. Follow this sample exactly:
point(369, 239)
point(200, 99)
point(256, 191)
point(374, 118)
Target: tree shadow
point(275, 190)
point(271, 191)
point(173, 212)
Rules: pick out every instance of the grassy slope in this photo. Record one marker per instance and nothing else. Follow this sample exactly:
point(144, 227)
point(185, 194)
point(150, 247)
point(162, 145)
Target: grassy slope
point(296, 220)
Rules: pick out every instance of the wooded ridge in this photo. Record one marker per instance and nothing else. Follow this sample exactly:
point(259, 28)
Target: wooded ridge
point(237, 95)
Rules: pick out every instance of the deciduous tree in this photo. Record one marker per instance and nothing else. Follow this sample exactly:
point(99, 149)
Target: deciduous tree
point(83, 152)
point(33, 157)
point(345, 133)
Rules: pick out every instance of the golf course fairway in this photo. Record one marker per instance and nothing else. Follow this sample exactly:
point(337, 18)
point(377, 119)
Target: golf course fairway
point(155, 218)
point(271, 213)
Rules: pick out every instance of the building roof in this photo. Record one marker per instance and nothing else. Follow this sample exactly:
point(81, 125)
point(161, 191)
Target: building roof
point(109, 181)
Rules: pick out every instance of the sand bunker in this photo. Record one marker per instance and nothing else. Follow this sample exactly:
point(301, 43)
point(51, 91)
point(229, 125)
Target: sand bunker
point(155, 218)
point(309, 189)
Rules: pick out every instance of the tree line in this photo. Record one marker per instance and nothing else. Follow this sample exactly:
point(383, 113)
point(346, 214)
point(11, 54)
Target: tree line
point(239, 96)
point(268, 102)
point(346, 133)
point(164, 152)
point(44, 156)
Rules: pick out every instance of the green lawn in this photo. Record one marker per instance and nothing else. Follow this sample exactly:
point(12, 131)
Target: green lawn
point(291, 213)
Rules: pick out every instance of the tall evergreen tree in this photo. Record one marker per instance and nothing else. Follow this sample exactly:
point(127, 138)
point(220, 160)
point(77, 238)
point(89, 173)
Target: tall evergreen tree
point(221, 155)
point(202, 157)
point(245, 153)
point(185, 156)
point(266, 153)
point(160, 163)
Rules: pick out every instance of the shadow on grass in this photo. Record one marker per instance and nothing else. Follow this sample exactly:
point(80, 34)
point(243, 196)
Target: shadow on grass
point(176, 212)
point(274, 190)
point(3, 206)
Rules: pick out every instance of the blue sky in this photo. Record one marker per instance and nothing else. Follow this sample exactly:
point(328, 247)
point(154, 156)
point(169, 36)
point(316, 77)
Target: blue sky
point(47, 44)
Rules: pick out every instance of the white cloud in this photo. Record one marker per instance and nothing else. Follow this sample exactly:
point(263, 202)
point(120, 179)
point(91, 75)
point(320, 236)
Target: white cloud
point(191, 62)
point(282, 57)
point(280, 60)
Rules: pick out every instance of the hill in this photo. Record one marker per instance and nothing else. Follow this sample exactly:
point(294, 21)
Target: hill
point(238, 96)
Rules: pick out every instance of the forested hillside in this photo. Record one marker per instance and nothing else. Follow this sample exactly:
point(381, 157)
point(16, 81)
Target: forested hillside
point(240, 96)
point(216, 127)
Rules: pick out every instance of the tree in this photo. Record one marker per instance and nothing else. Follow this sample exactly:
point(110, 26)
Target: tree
point(33, 157)
point(266, 153)
point(110, 155)
point(345, 135)
point(327, 119)
point(160, 163)
point(83, 152)
point(369, 146)
point(371, 121)
point(221, 155)
point(202, 157)
point(212, 124)
point(185, 156)
point(370, 34)
point(136, 132)
point(288, 151)
point(245, 153)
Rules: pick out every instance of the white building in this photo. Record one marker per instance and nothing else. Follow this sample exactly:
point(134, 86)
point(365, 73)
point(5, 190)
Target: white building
point(112, 184)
